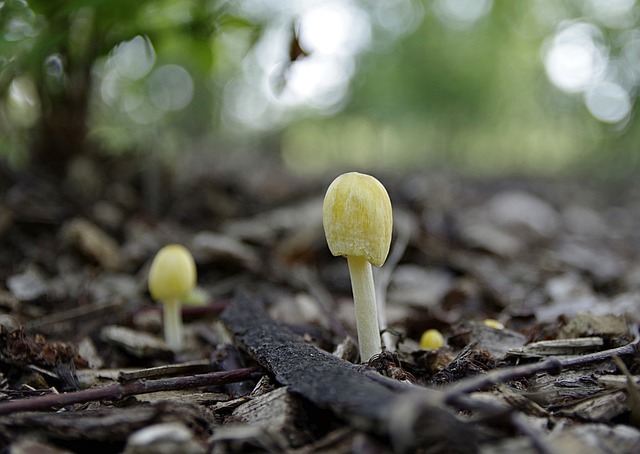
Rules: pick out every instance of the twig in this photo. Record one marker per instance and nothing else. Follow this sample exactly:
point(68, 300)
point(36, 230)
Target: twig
point(552, 366)
point(192, 367)
point(119, 391)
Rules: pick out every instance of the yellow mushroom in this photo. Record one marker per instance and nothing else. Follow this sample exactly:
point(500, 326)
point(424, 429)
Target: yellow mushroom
point(431, 339)
point(491, 323)
point(357, 220)
point(172, 277)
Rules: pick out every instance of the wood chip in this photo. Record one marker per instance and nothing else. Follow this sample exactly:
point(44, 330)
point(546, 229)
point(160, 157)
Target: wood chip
point(498, 342)
point(136, 343)
point(558, 347)
point(588, 324)
point(278, 413)
point(602, 407)
point(93, 243)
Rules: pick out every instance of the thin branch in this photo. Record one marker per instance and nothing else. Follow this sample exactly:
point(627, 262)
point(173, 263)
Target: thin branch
point(552, 366)
point(119, 391)
point(191, 367)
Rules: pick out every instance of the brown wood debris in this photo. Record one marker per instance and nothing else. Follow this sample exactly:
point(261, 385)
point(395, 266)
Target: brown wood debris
point(83, 366)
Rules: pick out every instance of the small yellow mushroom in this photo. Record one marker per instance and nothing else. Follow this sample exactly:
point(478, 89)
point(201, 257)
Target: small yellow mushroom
point(357, 220)
point(491, 323)
point(172, 277)
point(431, 339)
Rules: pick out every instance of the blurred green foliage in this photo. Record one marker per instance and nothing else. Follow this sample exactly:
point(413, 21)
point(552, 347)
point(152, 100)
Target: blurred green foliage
point(478, 97)
point(53, 61)
point(474, 84)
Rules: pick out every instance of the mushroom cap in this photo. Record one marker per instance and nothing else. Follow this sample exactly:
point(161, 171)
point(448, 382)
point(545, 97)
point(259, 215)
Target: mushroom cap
point(357, 218)
point(172, 274)
point(431, 339)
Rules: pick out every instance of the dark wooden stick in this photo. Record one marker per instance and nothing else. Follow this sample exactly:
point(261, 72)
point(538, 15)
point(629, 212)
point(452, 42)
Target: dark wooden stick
point(409, 416)
point(119, 391)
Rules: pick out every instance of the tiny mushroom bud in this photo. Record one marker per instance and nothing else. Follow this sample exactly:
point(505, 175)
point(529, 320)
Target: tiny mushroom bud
point(172, 277)
point(431, 339)
point(491, 323)
point(357, 220)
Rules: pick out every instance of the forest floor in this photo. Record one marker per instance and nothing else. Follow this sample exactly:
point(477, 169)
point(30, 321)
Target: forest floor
point(269, 362)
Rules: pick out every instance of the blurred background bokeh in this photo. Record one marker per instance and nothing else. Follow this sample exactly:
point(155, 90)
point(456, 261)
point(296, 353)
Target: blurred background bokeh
point(544, 87)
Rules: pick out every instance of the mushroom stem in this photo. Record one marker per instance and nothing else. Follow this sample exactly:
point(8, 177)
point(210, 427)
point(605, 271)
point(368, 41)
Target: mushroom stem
point(173, 324)
point(364, 298)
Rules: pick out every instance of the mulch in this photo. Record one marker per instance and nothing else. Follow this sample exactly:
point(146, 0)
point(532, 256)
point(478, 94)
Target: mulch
point(270, 362)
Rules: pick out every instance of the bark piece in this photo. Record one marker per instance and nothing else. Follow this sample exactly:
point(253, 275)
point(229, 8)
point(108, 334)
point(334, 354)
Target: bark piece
point(106, 424)
point(186, 396)
point(136, 343)
point(105, 429)
point(279, 413)
point(410, 416)
point(558, 347)
point(607, 326)
point(93, 243)
point(496, 341)
point(603, 407)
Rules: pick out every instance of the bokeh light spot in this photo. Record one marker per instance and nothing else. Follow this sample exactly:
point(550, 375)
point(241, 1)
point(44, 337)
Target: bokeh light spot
point(318, 81)
point(135, 58)
point(245, 104)
point(574, 59)
point(398, 16)
point(461, 13)
point(23, 104)
point(608, 102)
point(612, 13)
point(170, 87)
point(335, 28)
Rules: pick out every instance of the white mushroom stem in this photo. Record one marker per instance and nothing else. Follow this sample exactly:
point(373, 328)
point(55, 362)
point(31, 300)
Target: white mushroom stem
point(364, 298)
point(173, 324)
